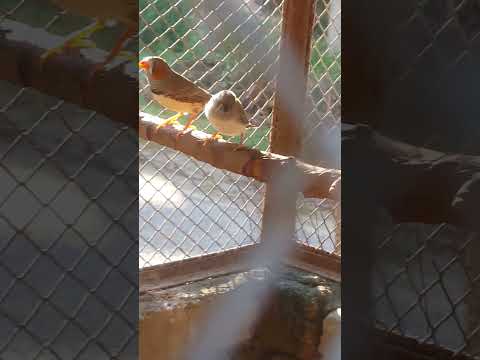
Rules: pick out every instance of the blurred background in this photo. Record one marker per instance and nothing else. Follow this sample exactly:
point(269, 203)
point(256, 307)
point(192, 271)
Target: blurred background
point(68, 210)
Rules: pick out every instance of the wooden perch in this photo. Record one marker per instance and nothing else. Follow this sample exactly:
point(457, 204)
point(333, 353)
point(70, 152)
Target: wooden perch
point(416, 184)
point(113, 93)
point(316, 182)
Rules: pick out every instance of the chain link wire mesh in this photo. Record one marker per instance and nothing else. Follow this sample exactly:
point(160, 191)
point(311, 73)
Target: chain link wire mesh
point(427, 281)
point(188, 208)
point(68, 219)
point(318, 221)
point(427, 276)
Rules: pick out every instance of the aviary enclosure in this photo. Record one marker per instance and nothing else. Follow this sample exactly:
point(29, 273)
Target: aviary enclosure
point(204, 200)
point(204, 210)
point(208, 209)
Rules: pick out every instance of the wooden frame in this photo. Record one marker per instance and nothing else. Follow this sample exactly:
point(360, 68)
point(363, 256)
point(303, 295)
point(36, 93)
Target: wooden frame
point(236, 260)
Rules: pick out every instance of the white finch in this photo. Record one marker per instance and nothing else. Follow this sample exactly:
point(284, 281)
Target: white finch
point(226, 114)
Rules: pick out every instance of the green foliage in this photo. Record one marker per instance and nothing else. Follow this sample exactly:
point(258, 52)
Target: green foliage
point(323, 60)
point(166, 30)
point(171, 29)
point(169, 33)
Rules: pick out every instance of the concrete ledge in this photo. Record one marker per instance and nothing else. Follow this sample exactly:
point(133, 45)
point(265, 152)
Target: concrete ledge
point(289, 327)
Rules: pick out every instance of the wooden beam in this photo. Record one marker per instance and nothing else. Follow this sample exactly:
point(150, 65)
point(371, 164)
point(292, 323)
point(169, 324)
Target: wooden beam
point(294, 64)
point(113, 93)
point(417, 184)
point(280, 205)
point(316, 261)
point(197, 268)
point(232, 261)
point(314, 181)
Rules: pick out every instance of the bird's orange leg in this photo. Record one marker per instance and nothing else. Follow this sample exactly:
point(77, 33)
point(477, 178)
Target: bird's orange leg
point(78, 40)
point(172, 120)
point(190, 120)
point(188, 126)
point(119, 45)
point(113, 53)
point(215, 136)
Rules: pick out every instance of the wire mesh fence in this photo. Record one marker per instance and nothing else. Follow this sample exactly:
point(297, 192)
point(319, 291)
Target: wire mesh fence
point(68, 218)
point(318, 221)
point(219, 45)
point(427, 286)
point(188, 208)
point(427, 276)
point(193, 209)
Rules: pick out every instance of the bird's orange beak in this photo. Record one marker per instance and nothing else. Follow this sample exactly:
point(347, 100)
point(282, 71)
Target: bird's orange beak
point(144, 65)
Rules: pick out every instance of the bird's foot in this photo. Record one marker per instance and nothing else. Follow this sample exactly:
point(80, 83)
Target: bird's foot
point(73, 43)
point(212, 139)
point(173, 120)
point(88, 31)
point(79, 40)
point(185, 131)
point(51, 52)
point(239, 147)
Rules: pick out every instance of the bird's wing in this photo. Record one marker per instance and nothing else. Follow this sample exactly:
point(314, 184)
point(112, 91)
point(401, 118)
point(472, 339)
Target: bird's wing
point(243, 115)
point(182, 89)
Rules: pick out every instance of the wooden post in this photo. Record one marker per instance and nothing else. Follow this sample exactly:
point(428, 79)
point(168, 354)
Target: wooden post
point(285, 137)
point(279, 212)
point(298, 17)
